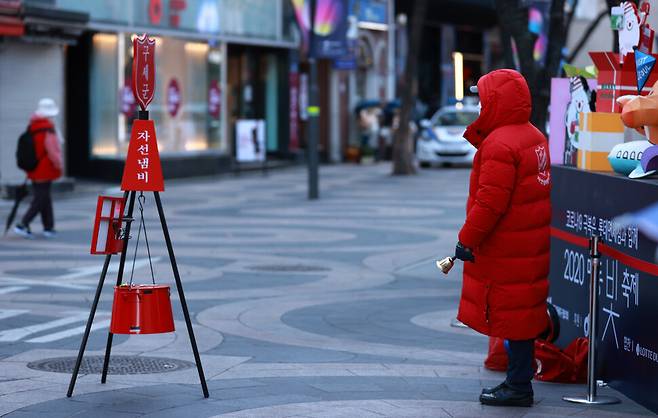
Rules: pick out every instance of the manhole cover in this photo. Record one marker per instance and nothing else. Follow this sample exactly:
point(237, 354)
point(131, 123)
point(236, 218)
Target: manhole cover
point(118, 365)
point(288, 267)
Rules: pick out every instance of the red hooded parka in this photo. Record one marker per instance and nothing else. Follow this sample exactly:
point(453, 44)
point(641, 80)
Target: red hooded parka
point(48, 152)
point(508, 215)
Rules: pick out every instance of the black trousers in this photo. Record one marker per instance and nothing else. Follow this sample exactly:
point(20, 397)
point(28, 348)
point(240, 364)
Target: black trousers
point(521, 369)
point(41, 203)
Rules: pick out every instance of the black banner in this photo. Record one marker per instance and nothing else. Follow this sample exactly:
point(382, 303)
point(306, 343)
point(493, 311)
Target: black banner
point(585, 203)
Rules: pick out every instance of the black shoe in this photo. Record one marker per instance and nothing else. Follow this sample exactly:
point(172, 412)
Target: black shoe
point(503, 395)
point(493, 389)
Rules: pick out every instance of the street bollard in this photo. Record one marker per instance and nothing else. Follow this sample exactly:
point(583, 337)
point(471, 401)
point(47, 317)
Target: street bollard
point(592, 398)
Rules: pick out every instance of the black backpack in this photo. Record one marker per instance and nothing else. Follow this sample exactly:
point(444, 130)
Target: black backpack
point(26, 154)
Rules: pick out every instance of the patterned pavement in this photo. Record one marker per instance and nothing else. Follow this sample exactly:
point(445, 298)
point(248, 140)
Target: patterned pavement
point(331, 308)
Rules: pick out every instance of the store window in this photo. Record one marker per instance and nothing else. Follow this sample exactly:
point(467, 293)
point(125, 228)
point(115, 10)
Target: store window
point(186, 106)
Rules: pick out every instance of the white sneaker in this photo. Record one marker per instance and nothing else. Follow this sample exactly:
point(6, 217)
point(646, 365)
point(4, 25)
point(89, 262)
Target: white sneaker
point(23, 231)
point(49, 233)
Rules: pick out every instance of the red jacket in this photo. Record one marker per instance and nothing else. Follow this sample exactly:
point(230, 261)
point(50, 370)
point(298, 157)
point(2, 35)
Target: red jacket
point(48, 151)
point(508, 215)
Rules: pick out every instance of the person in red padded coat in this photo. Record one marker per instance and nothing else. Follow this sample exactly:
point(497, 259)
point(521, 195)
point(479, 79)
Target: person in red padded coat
point(505, 239)
point(49, 168)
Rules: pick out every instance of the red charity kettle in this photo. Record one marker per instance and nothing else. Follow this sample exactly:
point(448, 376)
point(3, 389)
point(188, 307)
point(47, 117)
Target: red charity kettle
point(142, 309)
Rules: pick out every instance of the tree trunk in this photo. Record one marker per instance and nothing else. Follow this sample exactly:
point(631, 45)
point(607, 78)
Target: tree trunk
point(515, 21)
point(403, 147)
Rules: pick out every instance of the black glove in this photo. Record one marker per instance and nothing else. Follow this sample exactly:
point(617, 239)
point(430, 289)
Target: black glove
point(463, 253)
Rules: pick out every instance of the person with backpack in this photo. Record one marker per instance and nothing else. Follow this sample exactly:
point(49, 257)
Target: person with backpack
point(39, 154)
point(505, 239)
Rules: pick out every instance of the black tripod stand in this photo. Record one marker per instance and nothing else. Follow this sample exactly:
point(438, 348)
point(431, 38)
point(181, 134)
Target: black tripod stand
point(130, 195)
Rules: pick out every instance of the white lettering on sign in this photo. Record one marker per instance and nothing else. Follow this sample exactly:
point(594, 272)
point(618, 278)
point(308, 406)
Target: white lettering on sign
point(143, 149)
point(145, 90)
point(144, 135)
point(611, 320)
point(609, 231)
point(628, 344)
point(631, 286)
point(145, 72)
point(143, 176)
point(143, 163)
point(646, 353)
point(574, 267)
point(611, 267)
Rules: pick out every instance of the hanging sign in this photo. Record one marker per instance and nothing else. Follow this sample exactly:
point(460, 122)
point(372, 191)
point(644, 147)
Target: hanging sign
point(143, 171)
point(643, 65)
point(173, 97)
point(143, 70)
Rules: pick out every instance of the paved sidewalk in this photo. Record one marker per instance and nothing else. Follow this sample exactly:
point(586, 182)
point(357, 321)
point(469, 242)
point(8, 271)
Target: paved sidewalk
point(331, 308)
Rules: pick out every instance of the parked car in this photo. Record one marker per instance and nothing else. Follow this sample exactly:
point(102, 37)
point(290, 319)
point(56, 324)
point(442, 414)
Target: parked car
point(441, 138)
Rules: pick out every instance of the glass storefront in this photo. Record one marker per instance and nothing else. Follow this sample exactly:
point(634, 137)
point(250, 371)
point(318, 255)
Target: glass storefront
point(254, 90)
point(187, 105)
point(259, 19)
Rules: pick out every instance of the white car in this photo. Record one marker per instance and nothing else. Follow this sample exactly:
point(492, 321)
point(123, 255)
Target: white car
point(441, 139)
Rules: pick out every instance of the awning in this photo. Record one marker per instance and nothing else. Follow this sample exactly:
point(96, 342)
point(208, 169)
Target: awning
point(46, 24)
point(11, 26)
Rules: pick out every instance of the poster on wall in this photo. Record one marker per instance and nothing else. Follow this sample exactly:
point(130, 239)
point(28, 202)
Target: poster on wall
point(331, 26)
point(250, 140)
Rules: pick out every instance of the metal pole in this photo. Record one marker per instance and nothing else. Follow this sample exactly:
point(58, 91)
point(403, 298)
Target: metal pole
point(181, 295)
point(313, 112)
point(122, 263)
point(591, 398)
point(85, 336)
point(595, 256)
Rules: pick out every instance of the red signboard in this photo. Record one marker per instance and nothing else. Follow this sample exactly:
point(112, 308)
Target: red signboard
point(107, 225)
point(143, 70)
point(143, 171)
point(173, 97)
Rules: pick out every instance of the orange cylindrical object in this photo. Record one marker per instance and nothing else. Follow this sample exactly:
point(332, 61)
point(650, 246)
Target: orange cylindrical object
point(142, 309)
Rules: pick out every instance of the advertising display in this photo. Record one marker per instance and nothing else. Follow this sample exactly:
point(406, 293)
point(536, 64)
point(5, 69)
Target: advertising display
point(250, 138)
point(585, 203)
point(563, 121)
point(331, 26)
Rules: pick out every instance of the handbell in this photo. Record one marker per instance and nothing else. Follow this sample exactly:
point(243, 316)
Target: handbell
point(446, 264)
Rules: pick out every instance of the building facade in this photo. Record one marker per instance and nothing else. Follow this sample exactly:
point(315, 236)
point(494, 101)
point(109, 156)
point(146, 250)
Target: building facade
point(218, 62)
